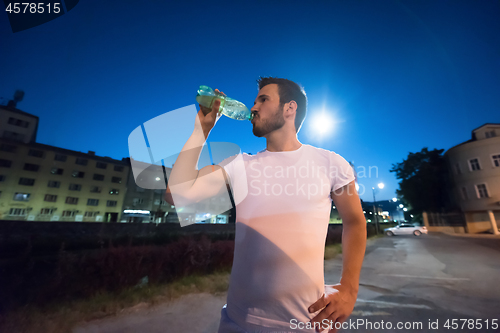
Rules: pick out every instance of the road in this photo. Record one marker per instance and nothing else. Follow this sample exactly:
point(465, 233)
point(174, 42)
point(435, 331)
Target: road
point(418, 283)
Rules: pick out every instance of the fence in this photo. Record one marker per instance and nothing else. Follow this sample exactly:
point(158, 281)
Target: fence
point(446, 219)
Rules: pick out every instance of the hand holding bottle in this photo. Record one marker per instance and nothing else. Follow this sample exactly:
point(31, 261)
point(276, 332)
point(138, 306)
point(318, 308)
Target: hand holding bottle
point(207, 117)
point(228, 106)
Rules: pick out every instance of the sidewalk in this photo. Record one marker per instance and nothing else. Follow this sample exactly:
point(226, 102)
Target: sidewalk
point(200, 313)
point(472, 235)
point(189, 313)
point(193, 313)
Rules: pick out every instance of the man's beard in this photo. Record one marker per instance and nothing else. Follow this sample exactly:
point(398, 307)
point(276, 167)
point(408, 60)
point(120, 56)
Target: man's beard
point(265, 127)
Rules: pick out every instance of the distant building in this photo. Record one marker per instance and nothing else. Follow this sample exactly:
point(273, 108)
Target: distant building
point(147, 204)
point(146, 195)
point(17, 125)
point(45, 183)
point(387, 210)
point(475, 168)
point(40, 182)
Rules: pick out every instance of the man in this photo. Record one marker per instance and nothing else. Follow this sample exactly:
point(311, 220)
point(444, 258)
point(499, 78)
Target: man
point(277, 278)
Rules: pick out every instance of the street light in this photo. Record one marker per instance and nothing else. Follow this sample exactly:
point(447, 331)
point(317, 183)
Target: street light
point(322, 123)
point(380, 186)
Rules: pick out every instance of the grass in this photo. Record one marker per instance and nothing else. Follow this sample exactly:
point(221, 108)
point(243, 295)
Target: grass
point(62, 317)
point(331, 251)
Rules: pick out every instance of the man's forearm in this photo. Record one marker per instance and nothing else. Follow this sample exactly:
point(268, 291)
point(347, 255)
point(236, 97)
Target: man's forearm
point(353, 252)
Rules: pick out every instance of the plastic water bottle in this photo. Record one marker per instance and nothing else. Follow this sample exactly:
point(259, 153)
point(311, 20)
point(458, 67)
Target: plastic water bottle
point(228, 106)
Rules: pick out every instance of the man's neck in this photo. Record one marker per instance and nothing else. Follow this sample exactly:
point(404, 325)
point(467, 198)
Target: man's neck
point(279, 142)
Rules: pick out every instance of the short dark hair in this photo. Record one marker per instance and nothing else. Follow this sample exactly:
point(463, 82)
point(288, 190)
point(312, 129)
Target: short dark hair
point(288, 91)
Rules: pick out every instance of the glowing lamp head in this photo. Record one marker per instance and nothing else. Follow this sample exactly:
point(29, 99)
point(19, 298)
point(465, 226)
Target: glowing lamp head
point(322, 123)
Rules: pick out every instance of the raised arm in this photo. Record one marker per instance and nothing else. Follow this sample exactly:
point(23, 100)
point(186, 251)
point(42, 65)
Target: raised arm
point(186, 183)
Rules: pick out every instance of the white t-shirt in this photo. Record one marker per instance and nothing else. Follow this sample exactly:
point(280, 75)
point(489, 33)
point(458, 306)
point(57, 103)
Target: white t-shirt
point(281, 227)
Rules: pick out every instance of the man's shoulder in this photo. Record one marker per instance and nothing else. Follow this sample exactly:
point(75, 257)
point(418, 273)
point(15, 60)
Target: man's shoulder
point(317, 149)
point(334, 159)
point(320, 151)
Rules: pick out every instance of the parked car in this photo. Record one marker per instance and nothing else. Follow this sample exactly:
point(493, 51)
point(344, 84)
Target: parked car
point(405, 229)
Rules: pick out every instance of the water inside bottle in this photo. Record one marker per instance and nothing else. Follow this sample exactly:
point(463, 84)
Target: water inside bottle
point(236, 110)
point(229, 107)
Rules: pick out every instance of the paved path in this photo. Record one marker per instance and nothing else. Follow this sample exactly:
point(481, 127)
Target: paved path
point(405, 279)
point(190, 313)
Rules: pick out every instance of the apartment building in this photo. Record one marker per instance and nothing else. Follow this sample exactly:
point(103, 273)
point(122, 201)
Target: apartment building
point(475, 166)
point(144, 200)
point(17, 125)
point(40, 182)
point(45, 183)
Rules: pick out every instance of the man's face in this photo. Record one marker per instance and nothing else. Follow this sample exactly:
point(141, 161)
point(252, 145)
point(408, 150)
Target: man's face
point(268, 114)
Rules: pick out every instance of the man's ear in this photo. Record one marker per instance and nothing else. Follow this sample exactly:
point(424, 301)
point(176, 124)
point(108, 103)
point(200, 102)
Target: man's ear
point(291, 107)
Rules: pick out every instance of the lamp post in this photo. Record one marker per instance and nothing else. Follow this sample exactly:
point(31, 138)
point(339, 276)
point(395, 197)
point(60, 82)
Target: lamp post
point(159, 213)
point(380, 186)
point(399, 208)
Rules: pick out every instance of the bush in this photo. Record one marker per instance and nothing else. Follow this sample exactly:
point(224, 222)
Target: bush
point(334, 235)
point(83, 274)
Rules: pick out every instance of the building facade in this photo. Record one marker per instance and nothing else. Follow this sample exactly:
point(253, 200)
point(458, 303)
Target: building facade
point(147, 203)
point(40, 182)
point(475, 169)
point(45, 183)
point(17, 125)
point(145, 199)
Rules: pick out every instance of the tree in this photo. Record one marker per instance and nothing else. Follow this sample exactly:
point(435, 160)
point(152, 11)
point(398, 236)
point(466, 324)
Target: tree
point(424, 181)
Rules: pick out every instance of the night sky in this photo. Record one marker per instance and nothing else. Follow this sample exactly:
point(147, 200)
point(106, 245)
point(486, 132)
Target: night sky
point(396, 76)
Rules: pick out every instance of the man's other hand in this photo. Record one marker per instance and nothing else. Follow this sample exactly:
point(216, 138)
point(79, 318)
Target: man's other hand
point(337, 304)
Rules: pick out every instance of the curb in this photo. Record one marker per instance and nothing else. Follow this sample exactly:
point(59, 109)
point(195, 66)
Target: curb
point(472, 235)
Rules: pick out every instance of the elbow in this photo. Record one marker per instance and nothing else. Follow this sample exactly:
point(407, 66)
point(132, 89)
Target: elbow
point(356, 222)
point(181, 197)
